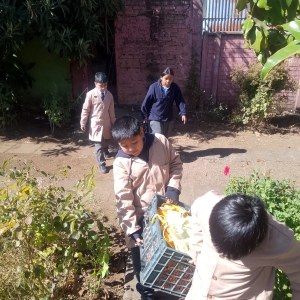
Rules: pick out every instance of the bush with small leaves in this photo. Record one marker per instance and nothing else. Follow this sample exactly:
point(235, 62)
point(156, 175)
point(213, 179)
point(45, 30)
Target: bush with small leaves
point(47, 234)
point(283, 202)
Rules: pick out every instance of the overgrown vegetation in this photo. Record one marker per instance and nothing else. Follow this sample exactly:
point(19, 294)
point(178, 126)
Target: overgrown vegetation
point(283, 202)
point(69, 28)
point(260, 99)
point(14, 81)
point(58, 106)
point(193, 94)
point(47, 234)
point(272, 29)
point(198, 102)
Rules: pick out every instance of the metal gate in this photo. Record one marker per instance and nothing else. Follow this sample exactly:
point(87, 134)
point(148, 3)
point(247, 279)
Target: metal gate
point(221, 16)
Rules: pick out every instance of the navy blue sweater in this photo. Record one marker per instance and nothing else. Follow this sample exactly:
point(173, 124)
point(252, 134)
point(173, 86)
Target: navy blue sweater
point(158, 106)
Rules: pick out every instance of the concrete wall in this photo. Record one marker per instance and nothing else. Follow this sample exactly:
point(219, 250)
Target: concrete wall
point(221, 52)
point(151, 35)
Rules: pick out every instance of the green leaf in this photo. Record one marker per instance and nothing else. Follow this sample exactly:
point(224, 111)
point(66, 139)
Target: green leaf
point(282, 54)
point(60, 268)
point(52, 237)
point(100, 226)
point(247, 25)
point(64, 215)
point(241, 5)
point(288, 3)
point(104, 271)
point(90, 224)
point(262, 4)
point(93, 235)
point(292, 10)
point(81, 244)
point(72, 226)
point(57, 224)
point(39, 271)
point(75, 236)
point(68, 252)
point(293, 28)
point(258, 39)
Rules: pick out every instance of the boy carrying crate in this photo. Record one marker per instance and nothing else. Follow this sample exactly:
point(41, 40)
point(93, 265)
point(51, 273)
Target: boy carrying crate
point(144, 165)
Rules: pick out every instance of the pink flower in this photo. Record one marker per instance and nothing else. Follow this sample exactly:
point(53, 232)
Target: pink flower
point(226, 170)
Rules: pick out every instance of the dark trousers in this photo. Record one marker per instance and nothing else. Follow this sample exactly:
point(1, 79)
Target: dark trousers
point(146, 292)
point(100, 149)
point(164, 128)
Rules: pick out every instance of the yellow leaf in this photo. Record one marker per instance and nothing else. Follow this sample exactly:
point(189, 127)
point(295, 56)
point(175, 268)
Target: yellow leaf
point(3, 230)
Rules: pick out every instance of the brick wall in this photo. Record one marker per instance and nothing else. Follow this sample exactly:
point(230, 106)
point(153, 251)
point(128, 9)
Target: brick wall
point(221, 52)
point(151, 35)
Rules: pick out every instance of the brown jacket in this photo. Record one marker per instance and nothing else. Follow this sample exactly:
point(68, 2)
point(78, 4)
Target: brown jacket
point(101, 114)
point(136, 181)
point(252, 277)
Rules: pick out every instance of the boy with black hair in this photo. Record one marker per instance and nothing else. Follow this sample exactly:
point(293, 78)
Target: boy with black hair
point(144, 165)
point(99, 107)
point(237, 247)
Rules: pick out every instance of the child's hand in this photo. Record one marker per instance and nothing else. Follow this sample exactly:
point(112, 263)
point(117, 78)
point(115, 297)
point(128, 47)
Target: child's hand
point(145, 121)
point(139, 242)
point(82, 127)
point(192, 262)
point(171, 201)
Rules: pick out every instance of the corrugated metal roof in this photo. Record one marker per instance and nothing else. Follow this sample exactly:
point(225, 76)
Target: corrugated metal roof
point(221, 15)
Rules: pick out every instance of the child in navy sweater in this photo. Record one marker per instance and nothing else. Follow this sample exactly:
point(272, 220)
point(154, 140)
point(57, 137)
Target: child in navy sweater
point(157, 107)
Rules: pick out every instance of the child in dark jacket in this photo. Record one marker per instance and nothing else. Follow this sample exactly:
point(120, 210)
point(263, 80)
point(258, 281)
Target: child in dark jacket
point(157, 107)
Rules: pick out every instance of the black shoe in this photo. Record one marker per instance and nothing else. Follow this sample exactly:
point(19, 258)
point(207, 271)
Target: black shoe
point(103, 169)
point(146, 293)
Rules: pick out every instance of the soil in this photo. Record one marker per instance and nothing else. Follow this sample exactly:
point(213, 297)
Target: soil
point(201, 143)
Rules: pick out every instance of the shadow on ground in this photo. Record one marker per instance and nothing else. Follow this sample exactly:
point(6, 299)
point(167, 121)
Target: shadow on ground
point(187, 155)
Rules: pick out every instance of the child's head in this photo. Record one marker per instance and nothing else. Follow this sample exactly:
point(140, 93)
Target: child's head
point(166, 77)
point(129, 135)
point(238, 224)
point(101, 81)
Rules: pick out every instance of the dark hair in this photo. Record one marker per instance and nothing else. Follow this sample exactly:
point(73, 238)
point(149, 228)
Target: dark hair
point(166, 71)
point(100, 77)
point(125, 127)
point(238, 224)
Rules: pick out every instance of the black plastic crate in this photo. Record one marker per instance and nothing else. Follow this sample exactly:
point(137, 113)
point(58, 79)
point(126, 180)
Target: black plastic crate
point(163, 268)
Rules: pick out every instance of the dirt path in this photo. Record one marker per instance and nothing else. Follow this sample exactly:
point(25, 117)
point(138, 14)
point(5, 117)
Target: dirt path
point(205, 149)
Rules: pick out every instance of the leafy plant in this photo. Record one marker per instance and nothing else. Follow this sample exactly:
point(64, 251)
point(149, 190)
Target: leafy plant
point(259, 99)
point(47, 235)
point(198, 101)
point(14, 82)
point(69, 28)
point(283, 202)
point(58, 107)
point(193, 94)
point(272, 29)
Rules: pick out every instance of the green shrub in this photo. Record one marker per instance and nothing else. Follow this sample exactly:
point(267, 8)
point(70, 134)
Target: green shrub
point(198, 102)
point(58, 107)
point(47, 235)
point(260, 99)
point(283, 202)
point(14, 83)
point(193, 94)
